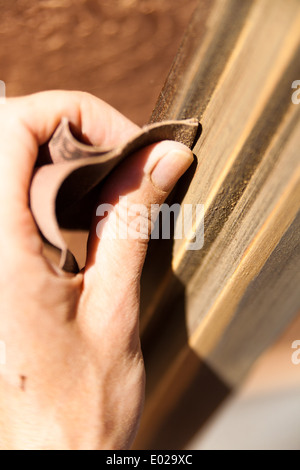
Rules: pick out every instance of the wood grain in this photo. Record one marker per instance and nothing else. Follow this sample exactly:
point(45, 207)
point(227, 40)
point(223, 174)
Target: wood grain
point(225, 304)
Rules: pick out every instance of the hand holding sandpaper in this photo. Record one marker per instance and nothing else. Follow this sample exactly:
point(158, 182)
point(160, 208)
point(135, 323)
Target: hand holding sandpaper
point(74, 377)
point(64, 191)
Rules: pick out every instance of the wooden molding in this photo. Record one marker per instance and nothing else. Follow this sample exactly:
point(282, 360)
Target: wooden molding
point(217, 309)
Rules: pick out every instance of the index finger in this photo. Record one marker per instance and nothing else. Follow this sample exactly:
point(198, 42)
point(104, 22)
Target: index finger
point(27, 122)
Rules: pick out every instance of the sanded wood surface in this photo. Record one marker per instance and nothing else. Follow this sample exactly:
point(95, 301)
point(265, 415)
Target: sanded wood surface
point(209, 314)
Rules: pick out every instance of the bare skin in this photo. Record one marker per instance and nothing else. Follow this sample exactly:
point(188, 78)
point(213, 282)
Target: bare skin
point(74, 376)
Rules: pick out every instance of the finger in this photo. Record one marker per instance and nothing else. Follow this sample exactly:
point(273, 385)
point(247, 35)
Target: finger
point(145, 180)
point(30, 121)
point(26, 123)
point(42, 112)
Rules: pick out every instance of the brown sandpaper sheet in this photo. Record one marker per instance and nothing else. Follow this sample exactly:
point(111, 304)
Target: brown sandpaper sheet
point(66, 183)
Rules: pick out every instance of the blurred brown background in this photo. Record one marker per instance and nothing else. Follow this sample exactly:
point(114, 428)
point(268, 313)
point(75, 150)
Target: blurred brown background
point(119, 50)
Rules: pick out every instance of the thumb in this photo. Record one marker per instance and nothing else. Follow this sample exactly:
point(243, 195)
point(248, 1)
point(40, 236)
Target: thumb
point(132, 195)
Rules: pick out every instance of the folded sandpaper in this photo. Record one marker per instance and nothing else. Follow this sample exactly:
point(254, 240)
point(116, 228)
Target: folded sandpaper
point(69, 173)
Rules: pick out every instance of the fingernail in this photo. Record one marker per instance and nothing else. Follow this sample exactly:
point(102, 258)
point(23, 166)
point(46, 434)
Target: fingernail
point(168, 169)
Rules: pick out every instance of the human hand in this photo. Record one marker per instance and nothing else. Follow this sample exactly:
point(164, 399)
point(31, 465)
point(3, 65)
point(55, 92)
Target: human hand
point(74, 375)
